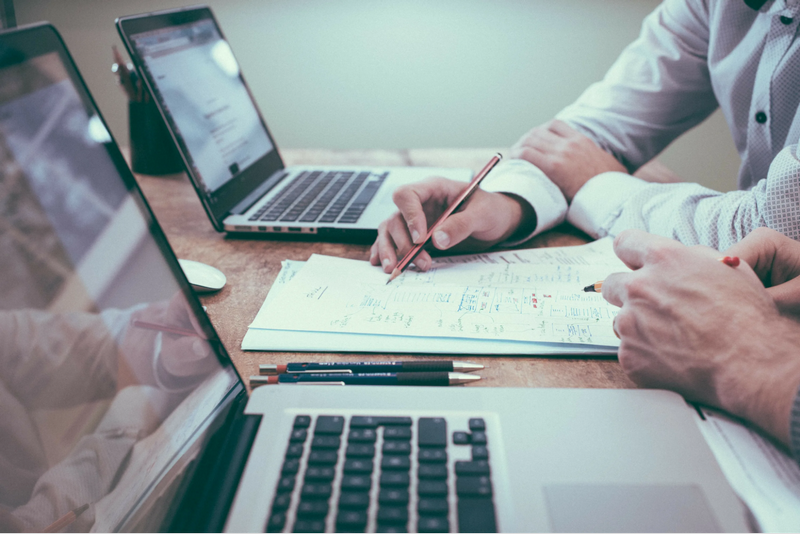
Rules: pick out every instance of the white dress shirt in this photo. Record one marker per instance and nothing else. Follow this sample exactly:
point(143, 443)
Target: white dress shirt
point(691, 56)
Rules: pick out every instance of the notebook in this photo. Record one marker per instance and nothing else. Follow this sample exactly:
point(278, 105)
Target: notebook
point(229, 153)
point(121, 410)
point(523, 302)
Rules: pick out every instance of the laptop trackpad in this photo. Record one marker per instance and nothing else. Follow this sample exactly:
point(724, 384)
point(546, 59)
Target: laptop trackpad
point(618, 508)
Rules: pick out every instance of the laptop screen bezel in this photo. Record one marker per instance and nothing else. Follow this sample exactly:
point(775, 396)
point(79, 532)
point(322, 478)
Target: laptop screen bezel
point(218, 203)
point(30, 41)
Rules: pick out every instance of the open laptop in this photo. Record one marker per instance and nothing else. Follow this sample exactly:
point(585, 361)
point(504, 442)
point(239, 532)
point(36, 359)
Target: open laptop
point(228, 151)
point(121, 411)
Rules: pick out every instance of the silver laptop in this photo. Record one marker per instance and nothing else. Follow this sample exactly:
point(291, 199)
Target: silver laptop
point(121, 411)
point(228, 151)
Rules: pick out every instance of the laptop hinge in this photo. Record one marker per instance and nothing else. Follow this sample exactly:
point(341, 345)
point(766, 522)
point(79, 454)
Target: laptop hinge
point(259, 192)
point(207, 497)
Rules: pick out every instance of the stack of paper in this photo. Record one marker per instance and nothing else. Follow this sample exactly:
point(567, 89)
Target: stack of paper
point(764, 476)
point(514, 302)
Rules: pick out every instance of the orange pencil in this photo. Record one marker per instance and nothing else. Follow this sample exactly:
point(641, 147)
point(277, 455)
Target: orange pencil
point(165, 328)
point(65, 520)
point(463, 197)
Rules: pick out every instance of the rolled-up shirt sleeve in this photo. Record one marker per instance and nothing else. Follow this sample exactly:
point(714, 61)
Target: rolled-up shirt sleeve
point(690, 213)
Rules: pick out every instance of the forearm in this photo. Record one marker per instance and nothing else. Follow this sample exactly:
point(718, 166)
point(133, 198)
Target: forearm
point(55, 352)
point(761, 384)
point(794, 426)
point(690, 213)
point(658, 88)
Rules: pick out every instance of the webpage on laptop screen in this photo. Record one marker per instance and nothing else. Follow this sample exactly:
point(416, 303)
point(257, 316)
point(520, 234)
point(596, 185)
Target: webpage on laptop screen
point(198, 83)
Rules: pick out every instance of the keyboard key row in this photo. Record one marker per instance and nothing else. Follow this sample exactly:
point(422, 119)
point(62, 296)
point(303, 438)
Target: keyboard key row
point(472, 478)
point(311, 195)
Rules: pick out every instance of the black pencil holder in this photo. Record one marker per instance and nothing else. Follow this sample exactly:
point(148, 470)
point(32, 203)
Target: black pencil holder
point(152, 149)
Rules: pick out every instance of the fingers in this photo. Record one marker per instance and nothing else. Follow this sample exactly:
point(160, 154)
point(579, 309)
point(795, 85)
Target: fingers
point(411, 201)
point(560, 128)
point(774, 257)
point(615, 288)
point(636, 248)
point(454, 230)
point(529, 154)
point(787, 297)
point(386, 251)
point(393, 243)
point(179, 313)
point(758, 249)
point(187, 356)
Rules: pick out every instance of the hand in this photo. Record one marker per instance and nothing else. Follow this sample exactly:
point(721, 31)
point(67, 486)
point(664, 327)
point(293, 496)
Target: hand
point(180, 357)
point(706, 330)
point(568, 158)
point(775, 258)
point(486, 219)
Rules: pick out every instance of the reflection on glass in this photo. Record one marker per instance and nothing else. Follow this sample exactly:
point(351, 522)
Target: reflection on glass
point(105, 372)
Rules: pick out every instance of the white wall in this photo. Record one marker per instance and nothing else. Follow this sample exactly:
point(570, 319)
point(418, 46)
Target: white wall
point(352, 74)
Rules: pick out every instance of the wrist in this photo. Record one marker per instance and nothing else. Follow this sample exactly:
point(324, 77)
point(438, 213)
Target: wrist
point(522, 218)
point(761, 383)
point(571, 189)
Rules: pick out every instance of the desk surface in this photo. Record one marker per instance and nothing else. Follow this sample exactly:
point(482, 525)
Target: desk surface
point(251, 265)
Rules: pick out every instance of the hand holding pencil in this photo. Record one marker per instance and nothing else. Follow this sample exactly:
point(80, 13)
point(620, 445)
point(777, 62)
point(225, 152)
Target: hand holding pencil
point(486, 219)
point(455, 205)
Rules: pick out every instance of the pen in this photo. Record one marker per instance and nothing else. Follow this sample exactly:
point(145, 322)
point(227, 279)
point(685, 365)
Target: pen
point(731, 261)
point(367, 379)
point(66, 519)
point(120, 68)
point(164, 328)
point(462, 198)
point(368, 367)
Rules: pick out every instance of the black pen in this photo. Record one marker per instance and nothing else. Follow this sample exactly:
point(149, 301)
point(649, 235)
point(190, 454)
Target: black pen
point(367, 379)
point(369, 367)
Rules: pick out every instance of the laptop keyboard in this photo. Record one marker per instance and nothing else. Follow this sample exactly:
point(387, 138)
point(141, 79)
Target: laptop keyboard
point(383, 474)
point(322, 196)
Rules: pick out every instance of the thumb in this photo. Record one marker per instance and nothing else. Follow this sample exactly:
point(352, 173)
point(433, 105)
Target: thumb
point(787, 297)
point(187, 356)
point(454, 230)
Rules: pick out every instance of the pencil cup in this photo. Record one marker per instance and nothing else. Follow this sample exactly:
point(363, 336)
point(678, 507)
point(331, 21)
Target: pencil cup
point(152, 148)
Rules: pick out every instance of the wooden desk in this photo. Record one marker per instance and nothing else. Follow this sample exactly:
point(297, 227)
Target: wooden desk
point(251, 265)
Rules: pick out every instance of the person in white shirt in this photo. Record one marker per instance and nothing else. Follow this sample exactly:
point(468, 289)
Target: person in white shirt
point(691, 57)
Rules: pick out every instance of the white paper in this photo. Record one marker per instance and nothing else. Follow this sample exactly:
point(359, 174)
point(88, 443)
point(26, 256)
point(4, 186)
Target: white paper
point(288, 340)
point(291, 341)
point(764, 476)
point(524, 296)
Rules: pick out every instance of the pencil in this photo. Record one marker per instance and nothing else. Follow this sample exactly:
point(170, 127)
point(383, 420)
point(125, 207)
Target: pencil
point(462, 198)
point(731, 261)
point(594, 288)
point(66, 519)
point(164, 328)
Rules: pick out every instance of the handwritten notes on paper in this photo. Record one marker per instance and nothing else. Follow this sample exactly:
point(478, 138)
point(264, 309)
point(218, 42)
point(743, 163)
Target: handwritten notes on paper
point(532, 295)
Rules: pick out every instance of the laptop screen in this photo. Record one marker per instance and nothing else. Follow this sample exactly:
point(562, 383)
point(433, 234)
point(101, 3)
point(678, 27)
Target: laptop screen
point(199, 85)
point(109, 369)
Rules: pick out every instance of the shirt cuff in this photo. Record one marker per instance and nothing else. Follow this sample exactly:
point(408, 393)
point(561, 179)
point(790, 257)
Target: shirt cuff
point(523, 179)
point(599, 202)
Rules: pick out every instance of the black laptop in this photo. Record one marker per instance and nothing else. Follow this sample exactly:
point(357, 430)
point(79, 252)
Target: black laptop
point(121, 411)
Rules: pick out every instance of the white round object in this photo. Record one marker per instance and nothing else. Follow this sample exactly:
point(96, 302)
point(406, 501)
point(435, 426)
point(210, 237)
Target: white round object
point(203, 278)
